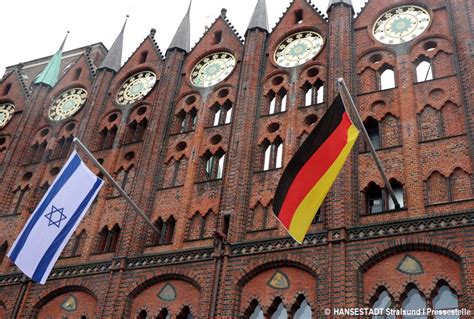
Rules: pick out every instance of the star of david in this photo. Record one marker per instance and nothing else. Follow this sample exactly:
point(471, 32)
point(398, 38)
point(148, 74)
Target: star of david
point(56, 216)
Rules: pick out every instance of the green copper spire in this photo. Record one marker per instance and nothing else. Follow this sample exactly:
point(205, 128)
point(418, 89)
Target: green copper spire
point(50, 74)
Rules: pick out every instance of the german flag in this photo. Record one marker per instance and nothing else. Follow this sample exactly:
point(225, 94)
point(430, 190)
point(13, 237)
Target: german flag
point(313, 169)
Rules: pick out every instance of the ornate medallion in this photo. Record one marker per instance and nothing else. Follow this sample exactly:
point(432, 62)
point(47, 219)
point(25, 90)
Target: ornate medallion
point(67, 104)
point(167, 293)
point(6, 113)
point(298, 49)
point(279, 281)
point(70, 304)
point(212, 69)
point(136, 87)
point(401, 24)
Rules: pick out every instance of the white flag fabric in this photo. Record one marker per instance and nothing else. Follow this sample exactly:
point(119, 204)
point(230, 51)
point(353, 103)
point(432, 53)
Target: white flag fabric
point(55, 219)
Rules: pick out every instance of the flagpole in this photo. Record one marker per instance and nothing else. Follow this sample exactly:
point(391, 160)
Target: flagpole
point(343, 90)
point(78, 143)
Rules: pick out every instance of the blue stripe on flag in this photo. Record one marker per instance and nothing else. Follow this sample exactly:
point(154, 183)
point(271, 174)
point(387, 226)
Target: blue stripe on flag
point(56, 187)
point(49, 254)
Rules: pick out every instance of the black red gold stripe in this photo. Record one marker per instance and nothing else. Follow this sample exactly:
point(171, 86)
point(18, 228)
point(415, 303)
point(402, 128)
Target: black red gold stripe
point(313, 169)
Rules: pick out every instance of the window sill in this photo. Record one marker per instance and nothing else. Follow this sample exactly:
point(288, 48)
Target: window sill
point(216, 126)
point(391, 211)
point(186, 132)
point(209, 181)
point(261, 230)
point(273, 114)
point(312, 105)
point(171, 187)
point(441, 138)
point(450, 202)
point(434, 79)
point(130, 143)
point(196, 239)
point(9, 215)
point(377, 91)
point(268, 170)
point(380, 149)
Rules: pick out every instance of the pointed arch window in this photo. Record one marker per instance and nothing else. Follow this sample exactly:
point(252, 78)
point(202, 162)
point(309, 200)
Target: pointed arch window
point(222, 113)
point(445, 299)
point(214, 165)
point(313, 93)
point(186, 121)
point(372, 127)
point(280, 310)
point(387, 78)
point(36, 152)
point(77, 74)
point(3, 251)
point(7, 88)
point(414, 301)
point(273, 154)
point(277, 102)
point(164, 314)
point(78, 243)
point(303, 310)
point(384, 301)
point(63, 146)
point(166, 231)
point(136, 131)
point(108, 239)
point(142, 315)
point(424, 70)
point(107, 137)
point(18, 198)
point(185, 313)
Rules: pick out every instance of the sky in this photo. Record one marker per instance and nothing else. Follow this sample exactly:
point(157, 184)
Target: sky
point(34, 29)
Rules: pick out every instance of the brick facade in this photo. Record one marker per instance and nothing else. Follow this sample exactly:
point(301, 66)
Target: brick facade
point(221, 252)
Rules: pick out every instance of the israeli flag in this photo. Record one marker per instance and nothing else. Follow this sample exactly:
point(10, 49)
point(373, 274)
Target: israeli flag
point(53, 222)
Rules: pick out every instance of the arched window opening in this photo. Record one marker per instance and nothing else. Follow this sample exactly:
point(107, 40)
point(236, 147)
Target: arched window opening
point(222, 114)
point(103, 235)
point(185, 313)
point(372, 127)
point(272, 154)
point(387, 79)
point(217, 37)
point(78, 244)
point(398, 192)
point(108, 239)
point(63, 147)
point(136, 131)
point(3, 251)
point(214, 165)
point(374, 199)
point(254, 311)
point(7, 89)
point(277, 310)
point(107, 137)
point(445, 299)
point(414, 301)
point(298, 16)
point(283, 98)
point(37, 152)
point(314, 93)
point(424, 70)
point(164, 314)
point(143, 57)
point(303, 310)
point(384, 301)
point(186, 121)
point(272, 102)
point(17, 200)
point(77, 74)
point(142, 315)
point(166, 231)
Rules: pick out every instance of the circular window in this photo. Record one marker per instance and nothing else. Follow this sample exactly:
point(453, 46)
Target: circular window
point(129, 156)
point(70, 127)
point(27, 176)
point(141, 110)
point(375, 58)
point(312, 72)
point(54, 171)
point(273, 127)
point(430, 46)
point(112, 117)
point(190, 100)
point(277, 80)
point(44, 132)
point(223, 93)
point(216, 139)
point(2, 140)
point(310, 119)
point(181, 146)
